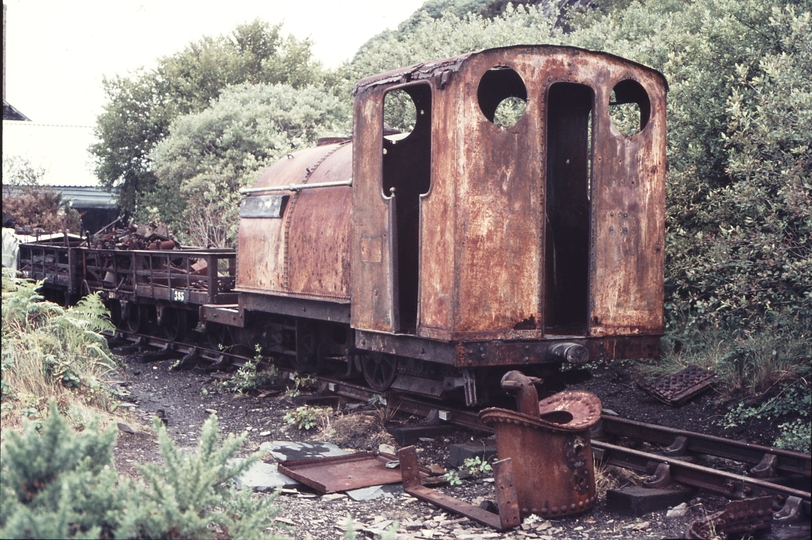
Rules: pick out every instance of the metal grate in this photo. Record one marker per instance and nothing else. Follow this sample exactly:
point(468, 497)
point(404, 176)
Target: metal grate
point(678, 388)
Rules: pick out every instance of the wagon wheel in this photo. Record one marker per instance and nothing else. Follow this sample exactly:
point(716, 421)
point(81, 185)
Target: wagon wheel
point(217, 336)
point(175, 324)
point(308, 359)
point(379, 369)
point(136, 317)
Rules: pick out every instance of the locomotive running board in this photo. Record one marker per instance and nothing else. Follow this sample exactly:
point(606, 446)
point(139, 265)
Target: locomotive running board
point(506, 499)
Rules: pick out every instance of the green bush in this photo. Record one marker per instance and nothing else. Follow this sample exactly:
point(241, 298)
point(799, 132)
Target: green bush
point(795, 435)
point(793, 402)
point(304, 417)
point(49, 350)
point(60, 484)
point(189, 493)
point(250, 377)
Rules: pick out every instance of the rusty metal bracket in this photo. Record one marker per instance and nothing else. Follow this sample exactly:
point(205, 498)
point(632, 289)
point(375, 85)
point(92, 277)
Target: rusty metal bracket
point(678, 448)
point(738, 516)
point(790, 512)
point(767, 467)
point(661, 478)
point(524, 387)
point(506, 498)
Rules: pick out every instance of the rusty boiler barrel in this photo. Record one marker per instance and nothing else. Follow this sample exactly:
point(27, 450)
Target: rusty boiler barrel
point(295, 226)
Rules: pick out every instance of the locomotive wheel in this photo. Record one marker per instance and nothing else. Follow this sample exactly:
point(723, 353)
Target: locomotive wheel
point(175, 324)
point(379, 369)
point(136, 317)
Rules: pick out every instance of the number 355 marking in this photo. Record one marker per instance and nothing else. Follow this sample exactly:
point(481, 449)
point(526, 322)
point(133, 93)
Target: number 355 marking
point(180, 296)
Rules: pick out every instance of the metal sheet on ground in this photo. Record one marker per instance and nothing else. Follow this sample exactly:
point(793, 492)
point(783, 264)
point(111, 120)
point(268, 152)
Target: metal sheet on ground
point(342, 473)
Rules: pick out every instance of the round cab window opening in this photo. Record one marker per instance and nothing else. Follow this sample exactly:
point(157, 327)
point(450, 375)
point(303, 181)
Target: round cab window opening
point(400, 115)
point(502, 96)
point(629, 107)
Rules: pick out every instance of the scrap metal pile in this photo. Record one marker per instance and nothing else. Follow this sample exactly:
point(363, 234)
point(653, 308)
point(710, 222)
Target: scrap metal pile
point(150, 237)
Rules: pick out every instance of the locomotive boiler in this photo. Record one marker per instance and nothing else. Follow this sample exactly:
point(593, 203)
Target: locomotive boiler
point(516, 223)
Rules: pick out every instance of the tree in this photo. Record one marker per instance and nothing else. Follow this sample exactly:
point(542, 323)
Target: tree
point(30, 205)
point(209, 156)
point(141, 108)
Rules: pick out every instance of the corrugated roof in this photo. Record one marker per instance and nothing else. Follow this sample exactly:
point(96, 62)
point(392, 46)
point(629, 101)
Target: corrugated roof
point(81, 196)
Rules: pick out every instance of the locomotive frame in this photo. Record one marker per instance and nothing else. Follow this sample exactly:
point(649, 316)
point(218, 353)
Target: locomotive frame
point(433, 261)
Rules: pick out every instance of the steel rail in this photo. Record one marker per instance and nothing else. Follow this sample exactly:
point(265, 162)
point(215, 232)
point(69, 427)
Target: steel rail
point(680, 442)
point(407, 404)
point(667, 469)
point(165, 345)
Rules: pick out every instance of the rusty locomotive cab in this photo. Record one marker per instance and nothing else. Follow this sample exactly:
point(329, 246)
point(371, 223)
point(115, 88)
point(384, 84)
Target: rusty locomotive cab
point(518, 223)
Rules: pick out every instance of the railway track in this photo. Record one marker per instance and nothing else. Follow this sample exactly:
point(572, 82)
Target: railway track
point(734, 469)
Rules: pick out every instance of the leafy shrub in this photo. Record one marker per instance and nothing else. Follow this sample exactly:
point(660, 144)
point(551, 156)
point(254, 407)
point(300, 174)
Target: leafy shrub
point(795, 435)
point(453, 478)
point(300, 382)
point(250, 377)
point(49, 350)
point(793, 401)
point(59, 484)
point(304, 417)
point(476, 466)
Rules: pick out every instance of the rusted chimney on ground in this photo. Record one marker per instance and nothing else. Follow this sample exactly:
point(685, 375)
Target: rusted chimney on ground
point(548, 443)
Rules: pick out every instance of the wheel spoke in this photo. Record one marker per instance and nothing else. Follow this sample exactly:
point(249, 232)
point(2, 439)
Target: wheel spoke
point(379, 370)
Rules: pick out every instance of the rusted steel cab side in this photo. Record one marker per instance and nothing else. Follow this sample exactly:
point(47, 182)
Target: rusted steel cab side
point(518, 237)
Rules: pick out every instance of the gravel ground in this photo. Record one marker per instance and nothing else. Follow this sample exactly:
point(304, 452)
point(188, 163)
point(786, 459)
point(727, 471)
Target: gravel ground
point(185, 400)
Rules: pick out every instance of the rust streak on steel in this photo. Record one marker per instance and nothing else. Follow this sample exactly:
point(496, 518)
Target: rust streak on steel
point(505, 241)
point(300, 248)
